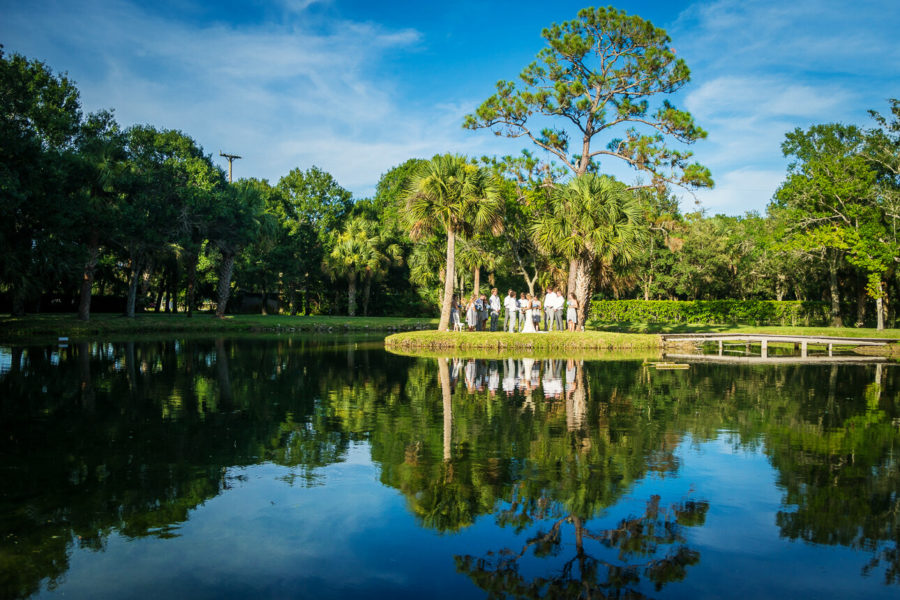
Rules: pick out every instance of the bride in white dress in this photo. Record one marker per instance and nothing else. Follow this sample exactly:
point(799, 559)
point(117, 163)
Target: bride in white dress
point(529, 321)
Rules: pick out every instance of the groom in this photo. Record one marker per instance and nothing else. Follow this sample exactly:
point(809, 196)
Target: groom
point(512, 308)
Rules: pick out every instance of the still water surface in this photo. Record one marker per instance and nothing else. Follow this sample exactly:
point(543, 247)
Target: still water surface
point(296, 467)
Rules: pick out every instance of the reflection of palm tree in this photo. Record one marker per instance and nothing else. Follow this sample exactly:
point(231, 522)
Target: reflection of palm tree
point(585, 575)
point(444, 376)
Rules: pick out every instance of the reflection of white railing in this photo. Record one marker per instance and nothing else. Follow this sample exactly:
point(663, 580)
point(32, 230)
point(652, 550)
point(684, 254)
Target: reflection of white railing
point(781, 360)
point(803, 341)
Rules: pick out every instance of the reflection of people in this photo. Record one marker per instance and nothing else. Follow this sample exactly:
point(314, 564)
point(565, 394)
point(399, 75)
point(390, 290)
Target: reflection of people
point(470, 376)
point(509, 376)
point(493, 377)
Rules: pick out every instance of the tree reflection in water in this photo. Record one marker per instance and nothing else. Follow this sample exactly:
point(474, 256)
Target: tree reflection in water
point(130, 438)
point(651, 545)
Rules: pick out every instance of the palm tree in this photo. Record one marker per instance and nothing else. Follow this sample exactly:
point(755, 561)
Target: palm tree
point(594, 220)
point(359, 251)
point(451, 194)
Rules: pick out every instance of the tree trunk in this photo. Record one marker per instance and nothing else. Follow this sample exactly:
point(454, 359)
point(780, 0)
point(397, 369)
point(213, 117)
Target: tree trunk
point(879, 307)
point(307, 310)
point(476, 285)
point(18, 301)
point(582, 291)
point(449, 275)
point(351, 294)
point(265, 298)
point(136, 271)
point(192, 260)
point(87, 279)
point(836, 320)
point(862, 299)
point(573, 272)
point(367, 291)
point(145, 285)
point(224, 289)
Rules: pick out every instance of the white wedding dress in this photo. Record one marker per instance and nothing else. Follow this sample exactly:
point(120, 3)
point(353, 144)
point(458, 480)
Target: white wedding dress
point(529, 322)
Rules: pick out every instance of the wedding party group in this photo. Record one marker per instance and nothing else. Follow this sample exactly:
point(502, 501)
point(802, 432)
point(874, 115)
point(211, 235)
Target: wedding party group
point(524, 314)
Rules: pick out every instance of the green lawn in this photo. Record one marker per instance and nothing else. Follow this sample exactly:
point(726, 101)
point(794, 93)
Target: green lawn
point(596, 340)
point(45, 325)
point(600, 336)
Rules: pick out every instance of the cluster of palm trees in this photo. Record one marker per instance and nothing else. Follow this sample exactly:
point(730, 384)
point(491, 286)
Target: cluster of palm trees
point(590, 222)
point(360, 251)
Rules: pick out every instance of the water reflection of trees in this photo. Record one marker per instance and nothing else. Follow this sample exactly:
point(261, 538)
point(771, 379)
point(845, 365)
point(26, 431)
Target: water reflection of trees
point(129, 438)
point(651, 546)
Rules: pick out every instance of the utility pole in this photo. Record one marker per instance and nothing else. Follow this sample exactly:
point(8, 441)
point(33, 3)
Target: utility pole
point(231, 158)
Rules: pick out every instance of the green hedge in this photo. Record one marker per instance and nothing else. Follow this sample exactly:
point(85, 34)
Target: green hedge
point(753, 312)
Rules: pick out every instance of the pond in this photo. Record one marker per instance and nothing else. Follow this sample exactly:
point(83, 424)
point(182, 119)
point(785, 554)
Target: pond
point(289, 467)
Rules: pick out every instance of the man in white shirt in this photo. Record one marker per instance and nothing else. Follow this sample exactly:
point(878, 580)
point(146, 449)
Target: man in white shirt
point(495, 309)
point(558, 313)
point(512, 308)
point(549, 304)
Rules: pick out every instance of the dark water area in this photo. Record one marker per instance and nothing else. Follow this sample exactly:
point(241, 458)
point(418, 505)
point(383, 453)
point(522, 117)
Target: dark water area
point(308, 468)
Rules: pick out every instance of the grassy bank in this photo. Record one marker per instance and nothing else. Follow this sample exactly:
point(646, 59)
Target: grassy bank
point(588, 340)
point(42, 326)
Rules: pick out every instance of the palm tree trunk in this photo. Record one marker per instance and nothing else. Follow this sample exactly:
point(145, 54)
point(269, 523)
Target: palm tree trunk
point(224, 289)
point(477, 284)
point(367, 291)
point(582, 290)
point(351, 294)
point(573, 273)
point(449, 276)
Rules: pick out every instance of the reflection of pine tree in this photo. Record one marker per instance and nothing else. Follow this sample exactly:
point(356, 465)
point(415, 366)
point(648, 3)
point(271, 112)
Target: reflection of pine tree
point(585, 575)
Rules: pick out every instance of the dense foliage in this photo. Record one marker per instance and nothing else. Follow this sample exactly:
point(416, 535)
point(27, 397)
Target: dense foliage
point(757, 312)
point(142, 219)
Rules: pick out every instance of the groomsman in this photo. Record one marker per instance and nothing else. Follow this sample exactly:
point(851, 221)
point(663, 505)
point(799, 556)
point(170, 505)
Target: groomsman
point(549, 308)
point(560, 309)
point(495, 309)
point(512, 309)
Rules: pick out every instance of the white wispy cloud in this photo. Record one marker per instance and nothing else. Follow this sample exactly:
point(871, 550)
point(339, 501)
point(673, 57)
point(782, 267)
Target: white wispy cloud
point(761, 68)
point(282, 96)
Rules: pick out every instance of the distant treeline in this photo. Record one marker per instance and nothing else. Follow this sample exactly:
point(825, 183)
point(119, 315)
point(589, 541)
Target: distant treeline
point(94, 216)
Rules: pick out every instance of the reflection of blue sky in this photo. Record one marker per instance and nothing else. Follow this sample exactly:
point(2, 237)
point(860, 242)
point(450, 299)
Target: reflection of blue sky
point(352, 536)
point(358, 87)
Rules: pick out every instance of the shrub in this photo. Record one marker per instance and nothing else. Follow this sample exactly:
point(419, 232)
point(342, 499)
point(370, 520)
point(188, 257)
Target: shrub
point(753, 312)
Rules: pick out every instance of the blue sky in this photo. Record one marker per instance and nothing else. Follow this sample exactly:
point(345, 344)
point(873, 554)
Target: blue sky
point(358, 87)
